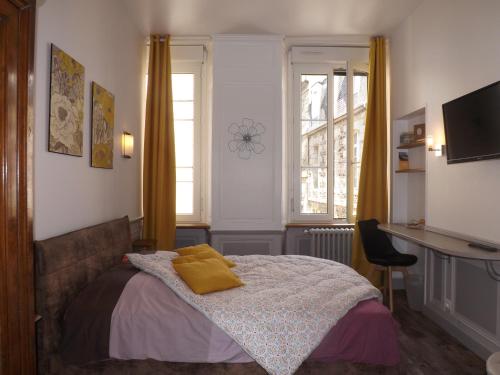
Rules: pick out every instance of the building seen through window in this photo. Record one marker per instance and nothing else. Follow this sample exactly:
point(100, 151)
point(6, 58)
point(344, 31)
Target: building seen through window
point(347, 141)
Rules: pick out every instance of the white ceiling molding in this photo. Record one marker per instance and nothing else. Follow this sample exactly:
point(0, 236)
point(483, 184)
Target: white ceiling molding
point(329, 41)
point(190, 40)
point(249, 37)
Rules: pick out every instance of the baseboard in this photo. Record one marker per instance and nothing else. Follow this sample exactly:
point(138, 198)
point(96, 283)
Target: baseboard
point(474, 342)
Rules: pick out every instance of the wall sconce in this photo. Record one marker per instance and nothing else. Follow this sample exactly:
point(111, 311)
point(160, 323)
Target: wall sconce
point(127, 145)
point(439, 150)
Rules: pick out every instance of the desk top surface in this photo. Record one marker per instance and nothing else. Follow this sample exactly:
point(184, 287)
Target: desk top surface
point(444, 244)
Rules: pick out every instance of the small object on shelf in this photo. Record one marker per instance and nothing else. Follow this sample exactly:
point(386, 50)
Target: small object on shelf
point(482, 247)
point(416, 224)
point(419, 133)
point(406, 138)
point(403, 161)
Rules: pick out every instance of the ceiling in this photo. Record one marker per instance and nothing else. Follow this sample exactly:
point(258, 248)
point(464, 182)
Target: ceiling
point(286, 17)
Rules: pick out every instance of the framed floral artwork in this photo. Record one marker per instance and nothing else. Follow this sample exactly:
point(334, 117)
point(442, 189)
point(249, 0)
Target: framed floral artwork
point(103, 123)
point(246, 138)
point(67, 79)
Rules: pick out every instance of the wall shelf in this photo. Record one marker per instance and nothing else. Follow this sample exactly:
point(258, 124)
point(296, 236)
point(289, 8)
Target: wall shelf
point(410, 170)
point(408, 181)
point(411, 145)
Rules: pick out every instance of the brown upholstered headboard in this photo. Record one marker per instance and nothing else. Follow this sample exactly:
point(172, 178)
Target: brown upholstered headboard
point(64, 266)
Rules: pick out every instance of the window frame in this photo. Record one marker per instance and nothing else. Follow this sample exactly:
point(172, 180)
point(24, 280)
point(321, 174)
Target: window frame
point(326, 68)
point(298, 71)
point(195, 68)
point(364, 68)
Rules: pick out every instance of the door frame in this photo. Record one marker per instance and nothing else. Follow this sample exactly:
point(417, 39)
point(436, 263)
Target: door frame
point(17, 311)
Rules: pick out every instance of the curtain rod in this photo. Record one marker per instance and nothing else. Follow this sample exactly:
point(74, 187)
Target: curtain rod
point(184, 40)
point(148, 40)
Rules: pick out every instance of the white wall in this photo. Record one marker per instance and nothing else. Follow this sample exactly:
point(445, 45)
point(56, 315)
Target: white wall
point(68, 193)
point(246, 194)
point(444, 50)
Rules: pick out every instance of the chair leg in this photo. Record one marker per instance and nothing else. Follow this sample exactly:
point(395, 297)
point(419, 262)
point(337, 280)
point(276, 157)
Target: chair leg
point(370, 271)
point(389, 279)
point(384, 277)
point(404, 270)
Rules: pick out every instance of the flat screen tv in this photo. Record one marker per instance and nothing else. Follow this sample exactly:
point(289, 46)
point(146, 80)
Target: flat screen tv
point(472, 125)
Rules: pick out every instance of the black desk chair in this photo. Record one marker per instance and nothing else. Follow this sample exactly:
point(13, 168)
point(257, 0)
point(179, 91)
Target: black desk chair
point(382, 255)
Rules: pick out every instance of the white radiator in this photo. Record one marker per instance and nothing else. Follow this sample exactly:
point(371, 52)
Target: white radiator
point(332, 243)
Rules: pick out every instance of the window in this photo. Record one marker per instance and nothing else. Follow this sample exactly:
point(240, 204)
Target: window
point(329, 112)
point(186, 92)
point(189, 102)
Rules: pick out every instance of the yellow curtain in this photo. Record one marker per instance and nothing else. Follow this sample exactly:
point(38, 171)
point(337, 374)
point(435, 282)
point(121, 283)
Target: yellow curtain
point(159, 148)
point(372, 195)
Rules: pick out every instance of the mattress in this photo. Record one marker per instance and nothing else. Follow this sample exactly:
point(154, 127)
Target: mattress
point(128, 314)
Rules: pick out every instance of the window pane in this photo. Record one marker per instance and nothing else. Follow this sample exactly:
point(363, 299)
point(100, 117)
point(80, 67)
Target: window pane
point(309, 126)
point(183, 92)
point(314, 96)
point(340, 95)
point(340, 144)
point(360, 94)
point(184, 143)
point(340, 168)
point(184, 174)
point(314, 147)
point(183, 110)
point(184, 198)
point(314, 191)
point(183, 86)
point(360, 88)
point(314, 143)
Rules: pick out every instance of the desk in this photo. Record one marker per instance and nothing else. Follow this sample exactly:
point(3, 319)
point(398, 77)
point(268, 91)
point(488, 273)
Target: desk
point(449, 246)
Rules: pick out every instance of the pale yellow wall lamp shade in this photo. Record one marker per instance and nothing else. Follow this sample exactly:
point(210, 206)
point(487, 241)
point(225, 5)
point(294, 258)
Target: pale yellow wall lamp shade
point(127, 145)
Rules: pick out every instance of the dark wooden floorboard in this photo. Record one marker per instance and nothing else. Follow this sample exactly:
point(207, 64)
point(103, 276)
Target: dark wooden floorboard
point(427, 349)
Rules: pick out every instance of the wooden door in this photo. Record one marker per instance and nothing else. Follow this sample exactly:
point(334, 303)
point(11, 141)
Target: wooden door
point(17, 327)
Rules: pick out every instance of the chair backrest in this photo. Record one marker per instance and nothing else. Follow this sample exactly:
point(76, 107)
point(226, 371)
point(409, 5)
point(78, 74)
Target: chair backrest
point(375, 242)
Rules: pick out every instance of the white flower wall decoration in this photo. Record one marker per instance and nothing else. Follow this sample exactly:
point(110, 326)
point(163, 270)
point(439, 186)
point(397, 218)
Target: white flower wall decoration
point(246, 138)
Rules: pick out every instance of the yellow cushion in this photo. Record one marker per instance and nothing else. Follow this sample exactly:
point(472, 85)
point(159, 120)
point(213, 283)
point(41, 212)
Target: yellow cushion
point(207, 276)
point(194, 257)
point(191, 250)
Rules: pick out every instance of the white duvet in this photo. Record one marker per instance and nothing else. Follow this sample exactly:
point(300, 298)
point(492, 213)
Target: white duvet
point(289, 303)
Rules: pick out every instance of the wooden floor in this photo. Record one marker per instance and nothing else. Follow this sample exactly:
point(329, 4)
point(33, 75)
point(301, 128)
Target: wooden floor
point(426, 348)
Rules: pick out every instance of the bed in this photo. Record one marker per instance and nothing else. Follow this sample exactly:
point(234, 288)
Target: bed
point(75, 269)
